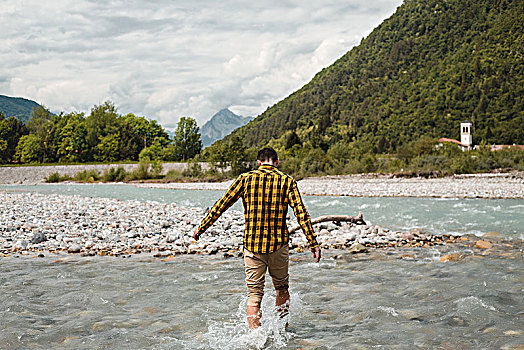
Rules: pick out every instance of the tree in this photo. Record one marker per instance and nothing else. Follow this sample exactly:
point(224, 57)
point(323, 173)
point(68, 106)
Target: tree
point(71, 145)
point(43, 125)
point(129, 142)
point(10, 132)
point(147, 130)
point(107, 149)
point(237, 153)
point(187, 138)
point(29, 149)
point(101, 122)
point(292, 139)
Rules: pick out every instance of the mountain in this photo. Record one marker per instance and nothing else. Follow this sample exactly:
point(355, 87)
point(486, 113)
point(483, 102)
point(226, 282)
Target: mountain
point(421, 72)
point(18, 107)
point(220, 125)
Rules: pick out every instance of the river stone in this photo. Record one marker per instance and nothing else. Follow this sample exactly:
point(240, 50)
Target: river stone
point(407, 236)
point(74, 248)
point(483, 244)
point(452, 257)
point(323, 232)
point(357, 248)
point(21, 244)
point(38, 237)
point(491, 234)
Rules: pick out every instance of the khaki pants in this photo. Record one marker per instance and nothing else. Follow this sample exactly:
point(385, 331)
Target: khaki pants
point(256, 265)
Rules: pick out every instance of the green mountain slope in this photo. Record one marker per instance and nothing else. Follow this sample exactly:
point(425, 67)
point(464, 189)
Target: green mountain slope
point(429, 66)
point(17, 107)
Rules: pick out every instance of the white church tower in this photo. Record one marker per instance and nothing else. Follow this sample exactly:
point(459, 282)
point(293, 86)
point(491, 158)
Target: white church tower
point(465, 134)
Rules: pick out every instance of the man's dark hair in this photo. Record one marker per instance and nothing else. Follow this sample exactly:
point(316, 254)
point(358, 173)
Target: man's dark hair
point(266, 154)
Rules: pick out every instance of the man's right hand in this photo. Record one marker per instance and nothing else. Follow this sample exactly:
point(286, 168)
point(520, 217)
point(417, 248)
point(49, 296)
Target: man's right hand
point(316, 253)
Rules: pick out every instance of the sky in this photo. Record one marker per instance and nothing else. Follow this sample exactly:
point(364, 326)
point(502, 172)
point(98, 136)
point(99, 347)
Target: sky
point(165, 59)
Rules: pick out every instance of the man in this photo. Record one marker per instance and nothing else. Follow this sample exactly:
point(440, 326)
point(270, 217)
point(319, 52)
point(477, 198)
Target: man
point(266, 194)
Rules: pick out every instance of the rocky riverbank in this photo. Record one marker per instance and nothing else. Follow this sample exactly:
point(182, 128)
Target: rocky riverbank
point(39, 225)
point(30, 175)
point(504, 185)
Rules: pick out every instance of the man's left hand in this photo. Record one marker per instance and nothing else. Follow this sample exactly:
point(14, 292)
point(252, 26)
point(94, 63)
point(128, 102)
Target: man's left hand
point(316, 253)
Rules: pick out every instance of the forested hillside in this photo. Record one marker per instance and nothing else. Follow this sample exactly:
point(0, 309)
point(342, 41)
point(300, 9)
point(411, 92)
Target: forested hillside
point(429, 66)
point(17, 107)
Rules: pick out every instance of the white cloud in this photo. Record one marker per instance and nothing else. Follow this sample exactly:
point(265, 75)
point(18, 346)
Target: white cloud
point(166, 59)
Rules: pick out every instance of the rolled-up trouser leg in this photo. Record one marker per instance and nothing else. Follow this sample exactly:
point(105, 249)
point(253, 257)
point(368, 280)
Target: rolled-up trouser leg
point(255, 266)
point(278, 263)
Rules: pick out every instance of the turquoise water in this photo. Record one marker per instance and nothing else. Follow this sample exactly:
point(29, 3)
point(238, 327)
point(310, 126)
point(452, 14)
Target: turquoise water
point(198, 302)
point(435, 215)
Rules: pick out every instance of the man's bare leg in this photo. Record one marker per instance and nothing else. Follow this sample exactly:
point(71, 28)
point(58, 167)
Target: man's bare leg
point(282, 303)
point(253, 317)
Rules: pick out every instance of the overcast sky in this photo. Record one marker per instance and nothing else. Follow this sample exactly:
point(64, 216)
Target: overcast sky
point(165, 59)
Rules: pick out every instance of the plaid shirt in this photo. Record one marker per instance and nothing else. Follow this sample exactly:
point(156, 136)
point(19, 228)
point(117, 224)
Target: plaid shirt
point(266, 194)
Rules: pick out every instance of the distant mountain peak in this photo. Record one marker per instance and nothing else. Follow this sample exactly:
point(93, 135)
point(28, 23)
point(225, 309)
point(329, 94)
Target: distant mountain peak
point(220, 125)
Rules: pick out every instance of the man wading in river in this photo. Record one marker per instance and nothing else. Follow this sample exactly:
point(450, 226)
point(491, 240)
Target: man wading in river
point(266, 194)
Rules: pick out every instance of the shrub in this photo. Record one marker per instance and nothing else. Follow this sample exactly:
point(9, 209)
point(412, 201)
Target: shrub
point(112, 174)
point(56, 177)
point(174, 176)
point(430, 163)
point(193, 169)
point(91, 175)
point(156, 168)
point(142, 172)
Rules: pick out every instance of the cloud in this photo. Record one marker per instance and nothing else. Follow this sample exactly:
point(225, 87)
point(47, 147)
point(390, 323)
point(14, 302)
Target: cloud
point(167, 59)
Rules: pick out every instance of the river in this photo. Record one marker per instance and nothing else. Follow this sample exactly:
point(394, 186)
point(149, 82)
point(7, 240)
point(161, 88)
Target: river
point(393, 299)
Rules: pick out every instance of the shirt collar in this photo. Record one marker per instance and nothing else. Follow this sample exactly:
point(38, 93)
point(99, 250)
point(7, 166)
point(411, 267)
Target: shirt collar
point(266, 166)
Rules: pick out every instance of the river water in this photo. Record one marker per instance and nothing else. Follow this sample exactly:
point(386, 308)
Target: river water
point(391, 299)
point(434, 215)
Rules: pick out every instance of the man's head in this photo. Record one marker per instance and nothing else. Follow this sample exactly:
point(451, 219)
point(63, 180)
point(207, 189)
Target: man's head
point(267, 155)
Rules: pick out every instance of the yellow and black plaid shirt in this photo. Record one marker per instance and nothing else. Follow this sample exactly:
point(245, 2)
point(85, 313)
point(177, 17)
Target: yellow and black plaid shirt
point(266, 194)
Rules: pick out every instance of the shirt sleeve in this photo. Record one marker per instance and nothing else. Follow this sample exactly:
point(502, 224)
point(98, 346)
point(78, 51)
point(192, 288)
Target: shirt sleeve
point(227, 200)
point(301, 213)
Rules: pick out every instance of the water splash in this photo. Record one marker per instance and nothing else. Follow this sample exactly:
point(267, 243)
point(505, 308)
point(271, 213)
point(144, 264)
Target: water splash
point(467, 304)
point(233, 333)
point(388, 310)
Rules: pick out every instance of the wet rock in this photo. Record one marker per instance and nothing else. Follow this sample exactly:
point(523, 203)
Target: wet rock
point(407, 236)
point(491, 234)
point(512, 333)
point(357, 248)
point(74, 248)
point(452, 257)
point(483, 244)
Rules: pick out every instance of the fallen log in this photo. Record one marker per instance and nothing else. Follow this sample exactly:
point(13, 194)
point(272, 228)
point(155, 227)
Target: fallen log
point(337, 219)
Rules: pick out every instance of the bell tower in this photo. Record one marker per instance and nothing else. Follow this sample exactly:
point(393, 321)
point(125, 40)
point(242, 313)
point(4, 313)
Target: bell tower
point(465, 134)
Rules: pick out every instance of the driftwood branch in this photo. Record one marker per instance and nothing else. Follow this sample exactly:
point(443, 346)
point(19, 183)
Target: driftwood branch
point(337, 219)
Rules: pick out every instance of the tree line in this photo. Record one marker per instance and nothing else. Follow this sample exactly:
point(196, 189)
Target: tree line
point(102, 136)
